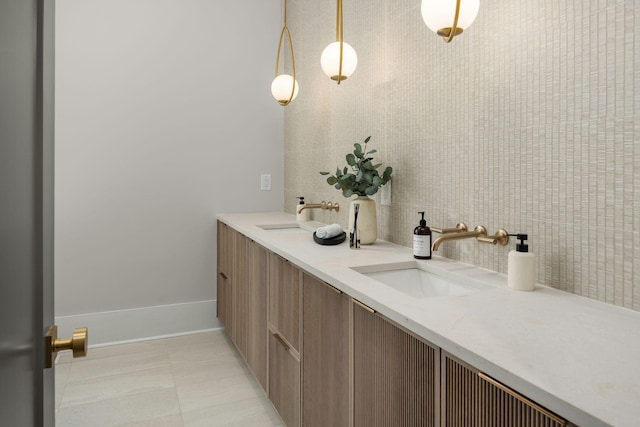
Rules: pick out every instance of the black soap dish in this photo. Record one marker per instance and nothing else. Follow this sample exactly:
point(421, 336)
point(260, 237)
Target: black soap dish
point(335, 240)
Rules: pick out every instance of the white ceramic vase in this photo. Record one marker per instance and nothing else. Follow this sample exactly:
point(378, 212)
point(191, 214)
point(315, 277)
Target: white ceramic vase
point(367, 221)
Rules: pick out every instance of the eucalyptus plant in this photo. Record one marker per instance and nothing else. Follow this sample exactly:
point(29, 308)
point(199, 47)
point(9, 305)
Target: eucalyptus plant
point(360, 176)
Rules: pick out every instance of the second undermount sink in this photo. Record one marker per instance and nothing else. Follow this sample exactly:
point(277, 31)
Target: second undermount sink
point(419, 280)
point(285, 228)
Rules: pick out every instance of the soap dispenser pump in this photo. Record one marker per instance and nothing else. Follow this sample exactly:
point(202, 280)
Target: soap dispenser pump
point(301, 215)
point(521, 272)
point(422, 240)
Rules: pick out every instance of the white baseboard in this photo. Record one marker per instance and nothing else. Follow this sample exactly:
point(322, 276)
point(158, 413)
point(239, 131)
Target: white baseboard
point(139, 324)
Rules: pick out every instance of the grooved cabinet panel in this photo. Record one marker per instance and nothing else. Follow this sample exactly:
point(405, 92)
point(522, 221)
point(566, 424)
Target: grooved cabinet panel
point(395, 375)
point(257, 329)
point(471, 401)
point(284, 299)
point(325, 361)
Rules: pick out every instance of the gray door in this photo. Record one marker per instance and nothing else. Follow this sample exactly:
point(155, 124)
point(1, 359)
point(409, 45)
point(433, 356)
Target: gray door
point(26, 211)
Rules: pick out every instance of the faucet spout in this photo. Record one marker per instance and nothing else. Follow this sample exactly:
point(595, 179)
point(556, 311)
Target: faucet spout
point(479, 231)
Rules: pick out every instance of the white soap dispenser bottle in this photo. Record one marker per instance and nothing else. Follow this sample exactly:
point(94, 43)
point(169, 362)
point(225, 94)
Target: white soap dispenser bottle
point(521, 272)
point(301, 215)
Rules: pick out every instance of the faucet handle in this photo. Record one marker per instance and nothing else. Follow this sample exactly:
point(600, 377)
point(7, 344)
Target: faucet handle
point(501, 236)
point(461, 227)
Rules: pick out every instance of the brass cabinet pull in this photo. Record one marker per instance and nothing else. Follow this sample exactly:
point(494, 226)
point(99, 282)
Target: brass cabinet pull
point(366, 307)
point(281, 340)
point(336, 290)
point(522, 399)
point(77, 344)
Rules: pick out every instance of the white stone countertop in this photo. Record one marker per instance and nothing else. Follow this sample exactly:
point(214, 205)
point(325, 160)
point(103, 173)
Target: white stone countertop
point(576, 356)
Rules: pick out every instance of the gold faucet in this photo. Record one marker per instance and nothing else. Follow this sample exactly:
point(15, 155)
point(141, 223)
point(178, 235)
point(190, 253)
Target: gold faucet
point(321, 205)
point(479, 231)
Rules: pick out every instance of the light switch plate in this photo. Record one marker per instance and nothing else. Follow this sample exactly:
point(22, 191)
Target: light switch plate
point(385, 194)
point(265, 182)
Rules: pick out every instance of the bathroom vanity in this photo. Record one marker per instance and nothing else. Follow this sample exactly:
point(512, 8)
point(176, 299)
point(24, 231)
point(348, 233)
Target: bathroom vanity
point(333, 344)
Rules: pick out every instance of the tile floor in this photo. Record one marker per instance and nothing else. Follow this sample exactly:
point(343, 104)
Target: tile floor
point(188, 381)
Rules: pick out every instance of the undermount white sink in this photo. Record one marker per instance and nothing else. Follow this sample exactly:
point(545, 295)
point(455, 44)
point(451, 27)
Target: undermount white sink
point(419, 280)
point(284, 228)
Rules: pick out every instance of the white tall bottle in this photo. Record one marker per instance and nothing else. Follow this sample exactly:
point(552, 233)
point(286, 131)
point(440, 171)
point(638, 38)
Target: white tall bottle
point(521, 272)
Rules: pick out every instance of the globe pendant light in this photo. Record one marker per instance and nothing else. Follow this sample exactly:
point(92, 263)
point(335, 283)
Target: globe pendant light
point(339, 59)
point(284, 87)
point(449, 18)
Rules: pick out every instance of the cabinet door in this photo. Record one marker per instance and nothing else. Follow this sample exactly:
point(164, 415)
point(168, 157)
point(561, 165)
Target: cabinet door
point(284, 299)
point(224, 298)
point(257, 330)
point(284, 380)
point(240, 284)
point(472, 399)
point(395, 374)
point(325, 357)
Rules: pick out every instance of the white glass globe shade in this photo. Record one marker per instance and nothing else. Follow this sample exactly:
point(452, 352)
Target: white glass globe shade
point(281, 88)
point(330, 60)
point(438, 14)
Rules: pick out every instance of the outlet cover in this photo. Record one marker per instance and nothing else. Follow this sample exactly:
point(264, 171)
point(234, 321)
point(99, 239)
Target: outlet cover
point(265, 182)
point(385, 194)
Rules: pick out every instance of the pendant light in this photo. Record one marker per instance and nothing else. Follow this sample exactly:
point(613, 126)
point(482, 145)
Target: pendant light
point(284, 87)
point(449, 18)
point(339, 59)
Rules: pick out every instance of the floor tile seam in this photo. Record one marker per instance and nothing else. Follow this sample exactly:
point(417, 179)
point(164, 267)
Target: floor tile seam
point(120, 374)
point(125, 395)
point(62, 405)
point(221, 404)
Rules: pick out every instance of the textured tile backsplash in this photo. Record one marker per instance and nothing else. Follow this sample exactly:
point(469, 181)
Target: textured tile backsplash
point(529, 121)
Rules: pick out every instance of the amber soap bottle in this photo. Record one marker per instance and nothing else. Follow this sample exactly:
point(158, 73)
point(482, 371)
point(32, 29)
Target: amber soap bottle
point(422, 240)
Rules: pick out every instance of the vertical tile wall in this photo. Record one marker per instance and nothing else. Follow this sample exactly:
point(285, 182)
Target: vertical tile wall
point(529, 121)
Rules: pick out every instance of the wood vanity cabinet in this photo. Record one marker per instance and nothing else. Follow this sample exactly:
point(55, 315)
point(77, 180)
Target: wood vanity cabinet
point(257, 329)
point(473, 399)
point(396, 375)
point(240, 285)
point(325, 358)
point(242, 296)
point(284, 339)
point(224, 302)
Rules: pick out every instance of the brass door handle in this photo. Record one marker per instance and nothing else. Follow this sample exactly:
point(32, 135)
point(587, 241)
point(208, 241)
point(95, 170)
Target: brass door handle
point(77, 344)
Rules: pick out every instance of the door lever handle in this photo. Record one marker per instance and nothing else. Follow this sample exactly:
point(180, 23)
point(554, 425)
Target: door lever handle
point(77, 344)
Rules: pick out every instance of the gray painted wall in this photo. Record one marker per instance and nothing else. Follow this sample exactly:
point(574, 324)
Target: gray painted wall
point(164, 117)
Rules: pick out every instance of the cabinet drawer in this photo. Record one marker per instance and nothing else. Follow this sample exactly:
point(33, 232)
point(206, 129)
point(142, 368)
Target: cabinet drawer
point(284, 299)
point(472, 399)
point(284, 380)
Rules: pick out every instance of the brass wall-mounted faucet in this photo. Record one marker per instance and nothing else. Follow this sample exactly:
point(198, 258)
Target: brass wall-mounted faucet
point(479, 231)
point(460, 232)
point(321, 205)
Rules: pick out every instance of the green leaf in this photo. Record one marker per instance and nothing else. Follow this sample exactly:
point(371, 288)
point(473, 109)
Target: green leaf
point(371, 190)
point(368, 177)
point(358, 151)
point(372, 151)
point(351, 159)
point(347, 192)
point(378, 181)
point(387, 173)
point(345, 170)
point(377, 165)
point(332, 180)
point(324, 173)
point(367, 139)
point(338, 171)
